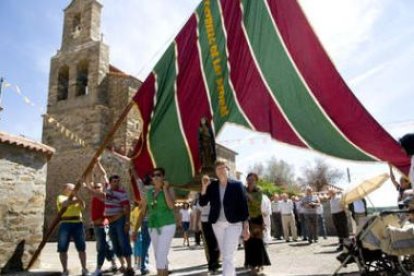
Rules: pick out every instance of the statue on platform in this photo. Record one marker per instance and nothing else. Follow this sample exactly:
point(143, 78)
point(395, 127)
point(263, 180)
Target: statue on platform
point(207, 144)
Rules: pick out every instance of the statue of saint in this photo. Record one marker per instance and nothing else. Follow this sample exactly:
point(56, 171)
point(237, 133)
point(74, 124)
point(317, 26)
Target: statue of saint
point(207, 144)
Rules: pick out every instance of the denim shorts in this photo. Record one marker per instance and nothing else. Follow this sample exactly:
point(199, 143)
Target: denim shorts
point(68, 230)
point(185, 225)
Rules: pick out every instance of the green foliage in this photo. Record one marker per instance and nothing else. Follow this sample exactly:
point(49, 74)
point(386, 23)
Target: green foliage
point(269, 188)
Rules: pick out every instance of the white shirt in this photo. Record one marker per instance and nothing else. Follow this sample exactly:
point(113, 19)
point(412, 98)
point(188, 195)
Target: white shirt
point(275, 207)
point(319, 209)
point(299, 207)
point(266, 206)
point(336, 205)
point(359, 207)
point(286, 207)
point(205, 211)
point(185, 215)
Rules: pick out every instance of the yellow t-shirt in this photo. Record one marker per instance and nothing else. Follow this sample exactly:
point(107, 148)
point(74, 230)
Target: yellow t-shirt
point(73, 210)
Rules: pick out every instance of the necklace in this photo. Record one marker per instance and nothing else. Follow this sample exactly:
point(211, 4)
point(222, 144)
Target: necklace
point(154, 198)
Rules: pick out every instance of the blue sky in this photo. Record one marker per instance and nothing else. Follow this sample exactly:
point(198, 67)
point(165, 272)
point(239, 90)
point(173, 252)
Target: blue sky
point(369, 41)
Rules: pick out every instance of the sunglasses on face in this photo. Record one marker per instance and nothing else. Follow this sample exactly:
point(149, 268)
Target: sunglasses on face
point(156, 175)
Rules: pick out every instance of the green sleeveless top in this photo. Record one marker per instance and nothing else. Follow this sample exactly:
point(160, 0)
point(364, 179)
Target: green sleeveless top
point(159, 214)
point(255, 203)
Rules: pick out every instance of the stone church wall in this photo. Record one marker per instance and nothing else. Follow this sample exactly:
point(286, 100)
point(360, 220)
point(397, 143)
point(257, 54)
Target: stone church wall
point(22, 200)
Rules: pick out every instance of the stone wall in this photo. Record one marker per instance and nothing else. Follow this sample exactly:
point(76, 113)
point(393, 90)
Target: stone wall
point(120, 90)
point(22, 200)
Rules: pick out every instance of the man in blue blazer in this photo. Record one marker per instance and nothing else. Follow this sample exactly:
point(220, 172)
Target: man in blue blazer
point(228, 214)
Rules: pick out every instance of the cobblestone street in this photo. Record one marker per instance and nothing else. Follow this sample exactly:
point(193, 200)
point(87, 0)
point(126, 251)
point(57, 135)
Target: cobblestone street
point(294, 258)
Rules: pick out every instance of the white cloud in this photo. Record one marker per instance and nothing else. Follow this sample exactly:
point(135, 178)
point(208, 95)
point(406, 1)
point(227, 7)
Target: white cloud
point(368, 74)
point(342, 26)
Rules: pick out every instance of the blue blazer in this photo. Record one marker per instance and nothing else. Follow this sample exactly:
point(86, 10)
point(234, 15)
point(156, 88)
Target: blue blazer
point(234, 201)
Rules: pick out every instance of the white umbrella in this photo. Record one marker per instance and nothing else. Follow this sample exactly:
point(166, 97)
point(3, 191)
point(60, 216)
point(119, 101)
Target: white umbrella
point(364, 188)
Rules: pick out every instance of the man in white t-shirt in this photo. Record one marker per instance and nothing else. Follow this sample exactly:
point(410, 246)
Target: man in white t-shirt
point(359, 212)
point(266, 208)
point(276, 218)
point(286, 207)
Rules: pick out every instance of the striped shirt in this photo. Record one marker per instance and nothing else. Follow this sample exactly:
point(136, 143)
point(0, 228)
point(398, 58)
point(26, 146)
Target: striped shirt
point(115, 200)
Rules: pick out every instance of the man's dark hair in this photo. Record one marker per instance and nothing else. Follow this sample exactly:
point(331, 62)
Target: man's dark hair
point(407, 142)
point(147, 180)
point(159, 169)
point(114, 177)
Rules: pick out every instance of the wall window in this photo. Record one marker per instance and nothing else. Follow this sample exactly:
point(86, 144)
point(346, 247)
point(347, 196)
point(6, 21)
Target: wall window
point(63, 83)
point(76, 23)
point(82, 78)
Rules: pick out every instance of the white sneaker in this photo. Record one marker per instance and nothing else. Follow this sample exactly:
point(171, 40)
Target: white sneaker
point(97, 272)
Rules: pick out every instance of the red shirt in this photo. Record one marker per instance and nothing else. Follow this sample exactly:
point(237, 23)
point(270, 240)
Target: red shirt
point(97, 210)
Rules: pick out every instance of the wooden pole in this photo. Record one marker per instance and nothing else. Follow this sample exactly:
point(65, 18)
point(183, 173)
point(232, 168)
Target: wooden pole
point(89, 168)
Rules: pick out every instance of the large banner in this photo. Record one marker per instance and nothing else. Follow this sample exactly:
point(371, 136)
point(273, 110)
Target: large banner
point(257, 64)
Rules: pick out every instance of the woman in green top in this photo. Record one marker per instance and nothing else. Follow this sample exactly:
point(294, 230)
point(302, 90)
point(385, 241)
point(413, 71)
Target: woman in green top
point(161, 219)
point(255, 252)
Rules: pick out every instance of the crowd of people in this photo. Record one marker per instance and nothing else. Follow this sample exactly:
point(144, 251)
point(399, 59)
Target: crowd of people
point(228, 214)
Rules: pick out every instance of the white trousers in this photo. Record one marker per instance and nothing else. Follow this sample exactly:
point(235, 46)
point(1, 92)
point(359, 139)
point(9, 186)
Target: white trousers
point(227, 235)
point(161, 242)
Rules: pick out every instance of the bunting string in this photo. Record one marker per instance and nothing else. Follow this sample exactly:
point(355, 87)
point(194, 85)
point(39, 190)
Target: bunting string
point(251, 141)
point(50, 120)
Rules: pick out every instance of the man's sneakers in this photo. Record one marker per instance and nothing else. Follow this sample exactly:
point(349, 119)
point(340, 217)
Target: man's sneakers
point(65, 273)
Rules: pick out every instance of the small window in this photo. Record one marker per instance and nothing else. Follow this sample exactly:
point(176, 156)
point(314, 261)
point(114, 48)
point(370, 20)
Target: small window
point(82, 78)
point(63, 83)
point(76, 23)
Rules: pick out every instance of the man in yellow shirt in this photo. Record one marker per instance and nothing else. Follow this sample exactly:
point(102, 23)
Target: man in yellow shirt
point(71, 226)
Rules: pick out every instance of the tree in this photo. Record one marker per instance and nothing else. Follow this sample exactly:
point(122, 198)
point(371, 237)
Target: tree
point(257, 168)
point(268, 188)
point(277, 176)
point(280, 172)
point(320, 174)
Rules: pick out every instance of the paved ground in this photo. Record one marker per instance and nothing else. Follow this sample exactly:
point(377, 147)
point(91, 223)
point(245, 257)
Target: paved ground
point(298, 258)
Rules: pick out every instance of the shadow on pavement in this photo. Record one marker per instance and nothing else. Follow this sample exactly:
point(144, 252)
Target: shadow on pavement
point(329, 245)
point(192, 270)
point(334, 251)
point(35, 273)
point(300, 244)
point(187, 248)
